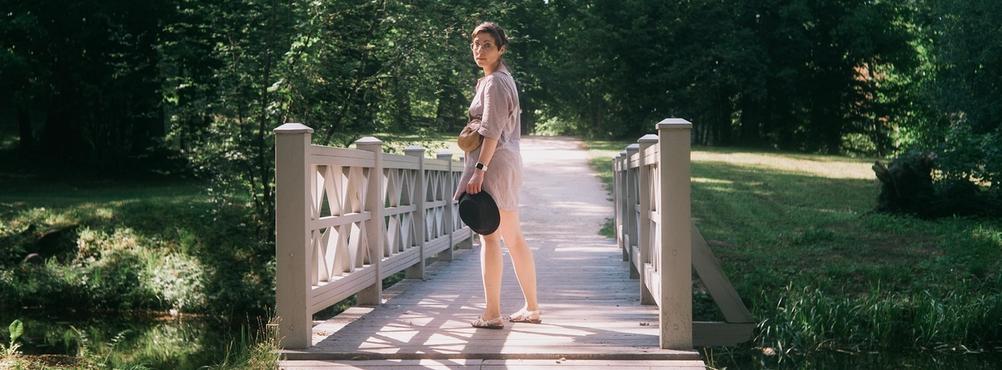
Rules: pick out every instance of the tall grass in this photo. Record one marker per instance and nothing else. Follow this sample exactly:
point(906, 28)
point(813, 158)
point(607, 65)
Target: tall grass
point(806, 320)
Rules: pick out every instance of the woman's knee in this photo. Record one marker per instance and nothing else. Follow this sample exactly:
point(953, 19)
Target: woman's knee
point(491, 241)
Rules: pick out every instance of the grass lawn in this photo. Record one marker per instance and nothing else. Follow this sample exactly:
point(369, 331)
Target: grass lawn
point(798, 237)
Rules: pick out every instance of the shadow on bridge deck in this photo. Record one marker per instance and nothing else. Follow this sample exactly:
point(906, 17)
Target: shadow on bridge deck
point(592, 314)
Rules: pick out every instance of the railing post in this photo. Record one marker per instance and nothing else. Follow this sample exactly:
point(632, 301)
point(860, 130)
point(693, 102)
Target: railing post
point(617, 205)
point(375, 231)
point(624, 195)
point(417, 271)
point(446, 155)
point(676, 234)
point(292, 235)
point(631, 215)
point(468, 243)
point(644, 221)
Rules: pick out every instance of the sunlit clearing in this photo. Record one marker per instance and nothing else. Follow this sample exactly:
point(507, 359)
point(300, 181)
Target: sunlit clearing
point(818, 165)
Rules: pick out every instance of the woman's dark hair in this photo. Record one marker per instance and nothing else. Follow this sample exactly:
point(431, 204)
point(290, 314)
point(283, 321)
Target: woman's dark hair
point(496, 31)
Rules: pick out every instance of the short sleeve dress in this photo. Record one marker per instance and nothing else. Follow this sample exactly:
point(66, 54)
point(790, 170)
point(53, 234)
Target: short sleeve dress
point(496, 105)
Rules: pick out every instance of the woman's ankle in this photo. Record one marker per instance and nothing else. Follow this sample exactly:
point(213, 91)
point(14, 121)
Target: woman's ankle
point(487, 316)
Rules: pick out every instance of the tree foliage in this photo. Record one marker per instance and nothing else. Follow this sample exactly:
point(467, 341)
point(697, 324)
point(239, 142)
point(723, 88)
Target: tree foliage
point(963, 88)
point(114, 85)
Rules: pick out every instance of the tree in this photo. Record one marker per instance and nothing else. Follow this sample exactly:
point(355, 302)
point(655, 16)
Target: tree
point(964, 86)
point(91, 69)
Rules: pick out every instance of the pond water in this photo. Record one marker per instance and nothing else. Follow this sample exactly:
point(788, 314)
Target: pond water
point(190, 343)
point(155, 342)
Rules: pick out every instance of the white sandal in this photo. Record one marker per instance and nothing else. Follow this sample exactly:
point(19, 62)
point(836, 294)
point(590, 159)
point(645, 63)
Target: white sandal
point(480, 322)
point(528, 316)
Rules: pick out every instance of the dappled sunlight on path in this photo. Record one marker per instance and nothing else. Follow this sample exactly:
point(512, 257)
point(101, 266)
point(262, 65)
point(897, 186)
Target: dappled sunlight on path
point(591, 307)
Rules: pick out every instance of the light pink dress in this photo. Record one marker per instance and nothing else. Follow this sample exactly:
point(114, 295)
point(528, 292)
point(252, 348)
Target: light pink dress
point(496, 104)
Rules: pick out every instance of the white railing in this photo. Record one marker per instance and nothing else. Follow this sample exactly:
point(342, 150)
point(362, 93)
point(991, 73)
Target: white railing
point(652, 201)
point(348, 218)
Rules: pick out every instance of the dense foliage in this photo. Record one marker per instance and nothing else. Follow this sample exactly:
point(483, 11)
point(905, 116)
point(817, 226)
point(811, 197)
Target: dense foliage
point(115, 86)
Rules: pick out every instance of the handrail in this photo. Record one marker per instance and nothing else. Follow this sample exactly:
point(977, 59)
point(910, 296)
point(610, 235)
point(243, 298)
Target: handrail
point(652, 200)
point(347, 218)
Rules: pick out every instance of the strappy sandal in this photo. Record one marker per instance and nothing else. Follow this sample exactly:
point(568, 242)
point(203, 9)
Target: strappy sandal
point(524, 315)
point(480, 322)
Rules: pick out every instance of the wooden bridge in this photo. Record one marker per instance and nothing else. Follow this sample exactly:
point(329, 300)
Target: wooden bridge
point(348, 218)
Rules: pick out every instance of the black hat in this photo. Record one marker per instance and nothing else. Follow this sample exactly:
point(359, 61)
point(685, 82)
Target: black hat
point(479, 212)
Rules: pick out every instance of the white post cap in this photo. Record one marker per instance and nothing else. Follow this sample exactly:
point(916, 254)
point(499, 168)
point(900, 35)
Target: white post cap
point(293, 128)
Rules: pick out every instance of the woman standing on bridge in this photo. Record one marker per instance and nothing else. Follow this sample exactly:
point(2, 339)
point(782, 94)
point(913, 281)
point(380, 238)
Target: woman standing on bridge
point(496, 105)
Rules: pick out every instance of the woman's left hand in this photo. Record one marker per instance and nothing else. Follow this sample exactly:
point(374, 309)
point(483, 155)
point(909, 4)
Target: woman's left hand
point(476, 182)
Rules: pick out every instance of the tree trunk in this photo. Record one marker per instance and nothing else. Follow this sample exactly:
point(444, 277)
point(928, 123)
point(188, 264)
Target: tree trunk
point(751, 118)
point(528, 118)
point(26, 138)
point(266, 202)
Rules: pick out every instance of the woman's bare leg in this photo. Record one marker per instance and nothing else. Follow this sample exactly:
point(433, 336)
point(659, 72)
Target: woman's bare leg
point(521, 257)
point(491, 265)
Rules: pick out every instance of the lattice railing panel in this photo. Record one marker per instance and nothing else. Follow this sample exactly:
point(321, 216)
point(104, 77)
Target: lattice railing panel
point(348, 217)
point(457, 223)
point(337, 192)
point(437, 193)
point(399, 200)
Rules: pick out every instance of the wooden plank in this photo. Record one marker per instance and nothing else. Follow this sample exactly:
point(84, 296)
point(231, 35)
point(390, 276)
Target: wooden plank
point(330, 293)
point(493, 364)
point(712, 275)
point(396, 162)
point(651, 157)
point(343, 157)
point(393, 211)
point(398, 262)
point(382, 364)
point(635, 258)
point(332, 221)
point(593, 364)
point(436, 165)
point(653, 282)
point(461, 235)
point(437, 245)
point(650, 153)
point(435, 204)
point(598, 352)
point(634, 160)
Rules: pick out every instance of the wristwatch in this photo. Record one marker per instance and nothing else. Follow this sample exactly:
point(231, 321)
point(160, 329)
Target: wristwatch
point(481, 166)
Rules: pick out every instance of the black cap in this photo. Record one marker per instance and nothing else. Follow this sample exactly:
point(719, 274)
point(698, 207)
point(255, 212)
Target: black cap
point(480, 212)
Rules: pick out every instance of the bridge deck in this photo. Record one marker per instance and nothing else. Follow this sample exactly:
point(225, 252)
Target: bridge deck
point(591, 310)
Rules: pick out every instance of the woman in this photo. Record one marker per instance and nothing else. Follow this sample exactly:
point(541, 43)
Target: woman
point(496, 167)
